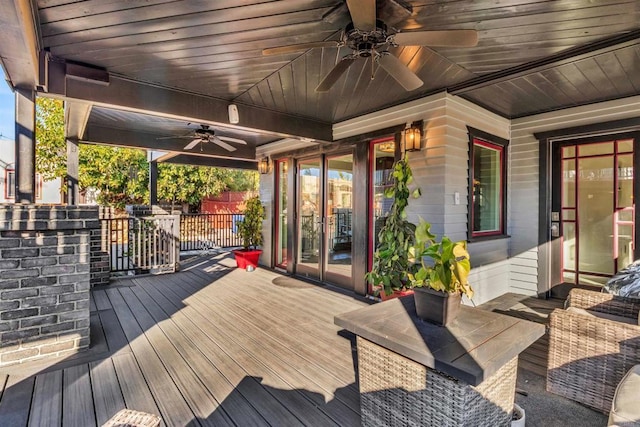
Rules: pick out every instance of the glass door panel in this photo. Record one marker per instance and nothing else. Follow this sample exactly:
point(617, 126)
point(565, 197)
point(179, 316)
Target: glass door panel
point(595, 215)
point(339, 209)
point(281, 214)
point(596, 209)
point(383, 158)
point(309, 225)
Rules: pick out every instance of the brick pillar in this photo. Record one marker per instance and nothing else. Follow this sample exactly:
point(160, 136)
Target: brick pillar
point(44, 280)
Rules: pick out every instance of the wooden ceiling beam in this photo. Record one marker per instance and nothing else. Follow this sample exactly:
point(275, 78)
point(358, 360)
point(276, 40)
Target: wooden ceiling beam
point(132, 95)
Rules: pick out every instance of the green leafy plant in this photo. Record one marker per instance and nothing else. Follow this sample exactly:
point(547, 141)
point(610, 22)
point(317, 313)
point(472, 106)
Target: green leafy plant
point(391, 264)
point(450, 265)
point(250, 228)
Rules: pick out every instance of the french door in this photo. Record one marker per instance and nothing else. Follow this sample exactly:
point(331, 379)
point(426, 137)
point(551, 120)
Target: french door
point(324, 219)
point(593, 209)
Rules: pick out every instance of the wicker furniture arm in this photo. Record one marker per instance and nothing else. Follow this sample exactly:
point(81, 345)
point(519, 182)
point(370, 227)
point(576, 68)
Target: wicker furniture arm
point(588, 356)
point(605, 303)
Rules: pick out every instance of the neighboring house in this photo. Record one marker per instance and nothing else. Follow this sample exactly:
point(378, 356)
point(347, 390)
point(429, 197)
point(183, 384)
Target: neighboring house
point(46, 191)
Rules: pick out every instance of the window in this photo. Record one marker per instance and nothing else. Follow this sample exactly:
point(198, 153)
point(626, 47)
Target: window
point(9, 184)
point(487, 184)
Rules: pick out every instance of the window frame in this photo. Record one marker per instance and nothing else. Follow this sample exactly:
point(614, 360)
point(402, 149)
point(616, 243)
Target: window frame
point(484, 139)
point(9, 187)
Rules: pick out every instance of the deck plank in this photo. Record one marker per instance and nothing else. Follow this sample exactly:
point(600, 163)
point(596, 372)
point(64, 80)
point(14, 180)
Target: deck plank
point(116, 339)
point(202, 403)
point(107, 396)
point(46, 407)
point(235, 405)
point(77, 400)
point(248, 373)
point(101, 300)
point(297, 372)
point(133, 386)
point(173, 408)
point(16, 401)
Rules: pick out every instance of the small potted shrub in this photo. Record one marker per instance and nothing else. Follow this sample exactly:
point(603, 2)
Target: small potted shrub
point(441, 276)
point(250, 231)
point(389, 275)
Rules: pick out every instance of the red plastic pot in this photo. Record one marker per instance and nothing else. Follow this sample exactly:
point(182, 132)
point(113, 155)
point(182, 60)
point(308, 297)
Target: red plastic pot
point(245, 258)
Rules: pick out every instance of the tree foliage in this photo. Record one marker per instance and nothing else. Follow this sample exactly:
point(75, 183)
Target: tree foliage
point(191, 184)
point(121, 174)
point(51, 146)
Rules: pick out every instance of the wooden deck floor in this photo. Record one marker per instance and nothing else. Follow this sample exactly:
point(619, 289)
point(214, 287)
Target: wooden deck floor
point(210, 345)
point(213, 345)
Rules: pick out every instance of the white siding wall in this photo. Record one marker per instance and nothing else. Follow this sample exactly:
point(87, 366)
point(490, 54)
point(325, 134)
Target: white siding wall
point(524, 179)
point(441, 170)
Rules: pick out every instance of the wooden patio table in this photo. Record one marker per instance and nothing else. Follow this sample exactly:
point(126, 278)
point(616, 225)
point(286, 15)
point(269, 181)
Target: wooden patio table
point(412, 372)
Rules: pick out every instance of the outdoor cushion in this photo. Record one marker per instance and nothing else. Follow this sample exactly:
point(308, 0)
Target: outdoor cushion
point(625, 408)
point(601, 315)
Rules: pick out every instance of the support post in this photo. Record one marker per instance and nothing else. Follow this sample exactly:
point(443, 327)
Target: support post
point(153, 183)
point(25, 146)
point(73, 166)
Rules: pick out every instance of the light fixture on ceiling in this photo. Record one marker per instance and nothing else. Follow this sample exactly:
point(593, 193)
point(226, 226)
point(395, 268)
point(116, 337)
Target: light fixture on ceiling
point(413, 137)
point(234, 116)
point(263, 165)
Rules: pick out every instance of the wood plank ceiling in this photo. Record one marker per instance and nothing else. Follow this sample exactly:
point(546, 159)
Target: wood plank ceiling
point(215, 48)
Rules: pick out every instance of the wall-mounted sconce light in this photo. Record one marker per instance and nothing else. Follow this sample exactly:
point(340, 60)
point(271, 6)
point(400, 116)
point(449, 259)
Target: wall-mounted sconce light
point(413, 137)
point(263, 165)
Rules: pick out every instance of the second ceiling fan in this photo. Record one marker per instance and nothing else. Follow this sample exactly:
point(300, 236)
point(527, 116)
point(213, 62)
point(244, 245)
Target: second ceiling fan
point(369, 37)
point(204, 135)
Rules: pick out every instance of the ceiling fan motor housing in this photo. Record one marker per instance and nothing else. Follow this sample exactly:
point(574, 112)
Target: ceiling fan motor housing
point(364, 43)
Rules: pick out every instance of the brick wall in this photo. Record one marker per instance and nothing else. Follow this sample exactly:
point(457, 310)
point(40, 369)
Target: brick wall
point(44, 280)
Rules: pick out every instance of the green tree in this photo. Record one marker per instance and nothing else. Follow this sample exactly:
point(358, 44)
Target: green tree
point(188, 184)
point(51, 146)
point(121, 174)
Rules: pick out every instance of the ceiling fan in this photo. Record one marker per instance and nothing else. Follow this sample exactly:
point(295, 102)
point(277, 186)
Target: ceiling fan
point(369, 37)
point(204, 135)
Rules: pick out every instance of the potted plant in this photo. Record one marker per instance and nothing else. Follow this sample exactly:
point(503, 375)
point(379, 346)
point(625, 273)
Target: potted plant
point(389, 274)
point(250, 231)
point(439, 283)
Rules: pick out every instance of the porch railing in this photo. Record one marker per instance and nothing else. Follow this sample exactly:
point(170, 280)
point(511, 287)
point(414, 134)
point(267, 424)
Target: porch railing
point(149, 244)
point(140, 244)
point(208, 231)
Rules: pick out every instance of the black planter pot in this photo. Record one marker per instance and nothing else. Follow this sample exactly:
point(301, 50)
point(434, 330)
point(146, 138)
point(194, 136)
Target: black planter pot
point(437, 307)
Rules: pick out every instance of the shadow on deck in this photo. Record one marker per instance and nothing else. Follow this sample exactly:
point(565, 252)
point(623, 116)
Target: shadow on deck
point(214, 345)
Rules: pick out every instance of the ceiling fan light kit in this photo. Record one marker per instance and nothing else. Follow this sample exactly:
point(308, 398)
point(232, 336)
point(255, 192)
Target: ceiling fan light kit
point(368, 37)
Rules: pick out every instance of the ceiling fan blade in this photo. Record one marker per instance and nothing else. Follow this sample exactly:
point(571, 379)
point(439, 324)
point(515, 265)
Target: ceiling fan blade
point(299, 47)
point(192, 144)
point(222, 144)
point(333, 76)
point(445, 38)
point(236, 140)
point(363, 14)
point(400, 72)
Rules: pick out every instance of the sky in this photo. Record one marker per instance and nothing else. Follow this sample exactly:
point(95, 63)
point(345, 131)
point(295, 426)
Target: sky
point(7, 112)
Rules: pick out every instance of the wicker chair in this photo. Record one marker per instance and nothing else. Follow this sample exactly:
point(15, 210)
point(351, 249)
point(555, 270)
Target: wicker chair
point(589, 354)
